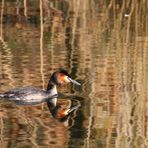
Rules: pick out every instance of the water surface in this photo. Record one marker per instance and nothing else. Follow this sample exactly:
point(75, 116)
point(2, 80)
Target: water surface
point(103, 45)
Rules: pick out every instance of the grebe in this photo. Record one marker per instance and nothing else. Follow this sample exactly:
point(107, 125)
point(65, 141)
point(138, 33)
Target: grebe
point(31, 95)
point(59, 112)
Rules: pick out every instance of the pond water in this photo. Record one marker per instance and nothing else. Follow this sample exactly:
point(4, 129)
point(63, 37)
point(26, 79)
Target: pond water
point(103, 45)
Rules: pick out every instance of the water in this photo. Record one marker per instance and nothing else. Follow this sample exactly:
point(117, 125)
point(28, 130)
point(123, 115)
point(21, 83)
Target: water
point(103, 45)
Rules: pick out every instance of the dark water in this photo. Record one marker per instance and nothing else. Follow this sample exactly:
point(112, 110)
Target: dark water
point(103, 45)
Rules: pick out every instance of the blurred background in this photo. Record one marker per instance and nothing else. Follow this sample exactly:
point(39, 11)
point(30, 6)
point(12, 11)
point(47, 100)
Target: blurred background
point(103, 44)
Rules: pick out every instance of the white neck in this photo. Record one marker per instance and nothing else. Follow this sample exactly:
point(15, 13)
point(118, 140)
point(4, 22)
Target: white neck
point(53, 91)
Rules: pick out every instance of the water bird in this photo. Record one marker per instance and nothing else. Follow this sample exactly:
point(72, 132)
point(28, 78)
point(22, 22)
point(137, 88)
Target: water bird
point(32, 95)
point(60, 112)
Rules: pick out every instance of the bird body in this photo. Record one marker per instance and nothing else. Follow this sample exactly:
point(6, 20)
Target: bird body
point(28, 95)
point(32, 95)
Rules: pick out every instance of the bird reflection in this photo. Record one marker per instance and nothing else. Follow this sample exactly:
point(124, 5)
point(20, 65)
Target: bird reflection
point(63, 110)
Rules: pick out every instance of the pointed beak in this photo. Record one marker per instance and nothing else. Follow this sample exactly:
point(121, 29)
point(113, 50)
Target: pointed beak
point(73, 81)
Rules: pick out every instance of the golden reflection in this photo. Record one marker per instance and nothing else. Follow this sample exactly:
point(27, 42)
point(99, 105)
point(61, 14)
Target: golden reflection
point(104, 45)
point(41, 42)
point(18, 8)
point(1, 23)
point(25, 8)
point(6, 67)
point(2, 129)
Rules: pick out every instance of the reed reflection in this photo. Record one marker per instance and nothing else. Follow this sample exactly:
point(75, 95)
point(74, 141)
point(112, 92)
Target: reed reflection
point(101, 42)
point(43, 126)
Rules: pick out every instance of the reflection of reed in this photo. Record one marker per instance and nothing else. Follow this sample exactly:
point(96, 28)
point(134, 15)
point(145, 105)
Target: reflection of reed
point(6, 67)
point(33, 127)
point(25, 8)
point(41, 43)
point(1, 131)
point(18, 7)
point(109, 52)
point(132, 111)
point(1, 30)
point(125, 65)
point(1, 36)
point(1, 20)
point(80, 43)
point(129, 22)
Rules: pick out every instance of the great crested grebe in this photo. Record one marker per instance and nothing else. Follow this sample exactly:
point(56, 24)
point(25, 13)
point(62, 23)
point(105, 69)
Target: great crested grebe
point(31, 95)
point(60, 112)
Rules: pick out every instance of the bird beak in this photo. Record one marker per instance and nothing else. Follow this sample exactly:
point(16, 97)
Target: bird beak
point(73, 81)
